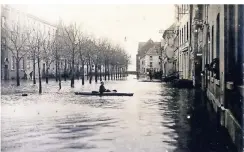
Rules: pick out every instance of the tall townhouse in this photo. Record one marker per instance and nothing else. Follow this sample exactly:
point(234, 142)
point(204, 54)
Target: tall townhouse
point(218, 37)
point(184, 27)
point(11, 17)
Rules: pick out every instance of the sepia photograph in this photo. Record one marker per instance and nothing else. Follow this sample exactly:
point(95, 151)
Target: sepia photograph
point(121, 76)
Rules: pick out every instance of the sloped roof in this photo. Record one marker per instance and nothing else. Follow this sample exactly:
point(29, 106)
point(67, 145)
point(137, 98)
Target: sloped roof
point(151, 49)
point(143, 49)
point(169, 30)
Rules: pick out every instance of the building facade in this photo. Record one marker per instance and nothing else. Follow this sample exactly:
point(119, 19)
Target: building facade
point(148, 57)
point(184, 28)
point(169, 51)
point(210, 54)
point(218, 50)
point(151, 61)
point(12, 19)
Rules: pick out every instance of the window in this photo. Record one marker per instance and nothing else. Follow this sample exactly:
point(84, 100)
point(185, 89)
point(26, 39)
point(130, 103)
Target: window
point(212, 45)
point(22, 64)
point(180, 38)
point(217, 37)
point(28, 62)
point(150, 64)
point(3, 21)
point(182, 35)
point(187, 31)
point(159, 57)
point(208, 52)
point(159, 63)
point(150, 57)
point(12, 63)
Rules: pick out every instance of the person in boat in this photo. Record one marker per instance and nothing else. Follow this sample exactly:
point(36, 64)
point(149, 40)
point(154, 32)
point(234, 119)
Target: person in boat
point(102, 88)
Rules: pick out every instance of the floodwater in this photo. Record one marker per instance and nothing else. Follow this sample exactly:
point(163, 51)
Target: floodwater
point(157, 118)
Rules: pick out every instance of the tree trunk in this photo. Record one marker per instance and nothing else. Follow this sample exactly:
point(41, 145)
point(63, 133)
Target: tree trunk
point(78, 70)
point(73, 70)
point(56, 72)
point(46, 72)
point(87, 71)
point(39, 75)
point(105, 71)
point(96, 73)
point(34, 68)
point(112, 72)
point(17, 71)
point(65, 70)
point(100, 73)
point(59, 78)
point(108, 72)
point(90, 81)
point(120, 72)
point(83, 73)
point(116, 72)
point(47, 76)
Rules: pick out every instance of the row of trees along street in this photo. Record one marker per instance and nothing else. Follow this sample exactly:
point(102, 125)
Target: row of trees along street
point(68, 44)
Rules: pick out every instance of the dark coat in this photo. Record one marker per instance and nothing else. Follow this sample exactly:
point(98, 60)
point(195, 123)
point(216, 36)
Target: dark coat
point(102, 89)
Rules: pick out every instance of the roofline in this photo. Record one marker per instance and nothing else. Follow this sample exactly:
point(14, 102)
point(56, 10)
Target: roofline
point(30, 16)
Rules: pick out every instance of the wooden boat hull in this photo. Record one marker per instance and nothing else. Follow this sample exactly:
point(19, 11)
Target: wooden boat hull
point(104, 94)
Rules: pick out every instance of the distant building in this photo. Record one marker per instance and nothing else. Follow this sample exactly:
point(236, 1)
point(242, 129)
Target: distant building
point(149, 57)
point(9, 18)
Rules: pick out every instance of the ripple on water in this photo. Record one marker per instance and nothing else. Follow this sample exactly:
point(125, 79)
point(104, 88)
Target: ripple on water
point(154, 119)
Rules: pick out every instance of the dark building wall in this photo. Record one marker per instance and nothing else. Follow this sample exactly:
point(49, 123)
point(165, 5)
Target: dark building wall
point(222, 33)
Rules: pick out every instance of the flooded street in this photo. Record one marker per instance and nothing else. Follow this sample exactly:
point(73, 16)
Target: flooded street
point(157, 118)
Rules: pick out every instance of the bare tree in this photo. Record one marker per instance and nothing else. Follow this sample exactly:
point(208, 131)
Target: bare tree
point(48, 56)
point(71, 34)
point(39, 41)
point(17, 38)
point(82, 48)
point(57, 47)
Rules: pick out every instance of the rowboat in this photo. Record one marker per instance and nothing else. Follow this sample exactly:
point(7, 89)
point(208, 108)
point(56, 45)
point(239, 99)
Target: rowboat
point(104, 94)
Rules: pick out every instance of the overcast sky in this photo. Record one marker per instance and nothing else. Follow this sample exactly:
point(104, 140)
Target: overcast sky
point(135, 22)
